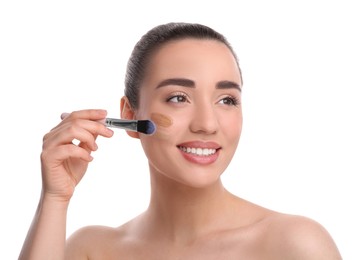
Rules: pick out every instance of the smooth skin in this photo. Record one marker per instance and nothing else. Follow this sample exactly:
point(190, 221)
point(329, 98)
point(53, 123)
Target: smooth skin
point(190, 215)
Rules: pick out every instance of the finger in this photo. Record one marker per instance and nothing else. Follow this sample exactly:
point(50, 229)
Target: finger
point(90, 114)
point(95, 127)
point(85, 131)
point(72, 135)
point(85, 146)
point(64, 152)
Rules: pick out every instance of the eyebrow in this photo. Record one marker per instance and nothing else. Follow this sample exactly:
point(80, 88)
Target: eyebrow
point(177, 81)
point(225, 84)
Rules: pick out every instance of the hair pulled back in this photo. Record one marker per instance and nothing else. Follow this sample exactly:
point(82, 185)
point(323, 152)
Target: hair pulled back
point(152, 41)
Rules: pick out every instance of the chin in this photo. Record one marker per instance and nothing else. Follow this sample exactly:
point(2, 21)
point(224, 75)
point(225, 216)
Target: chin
point(198, 180)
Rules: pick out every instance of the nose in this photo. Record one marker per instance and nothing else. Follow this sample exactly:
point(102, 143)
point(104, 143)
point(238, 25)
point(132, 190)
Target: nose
point(204, 120)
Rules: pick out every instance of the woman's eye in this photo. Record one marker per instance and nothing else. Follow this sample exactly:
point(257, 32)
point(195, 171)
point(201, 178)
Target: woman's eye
point(229, 101)
point(177, 98)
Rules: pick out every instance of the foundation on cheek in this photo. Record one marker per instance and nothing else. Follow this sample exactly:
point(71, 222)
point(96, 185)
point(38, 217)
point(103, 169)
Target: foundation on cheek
point(161, 120)
point(162, 123)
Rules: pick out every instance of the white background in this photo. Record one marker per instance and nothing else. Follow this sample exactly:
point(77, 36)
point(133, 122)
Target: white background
point(301, 147)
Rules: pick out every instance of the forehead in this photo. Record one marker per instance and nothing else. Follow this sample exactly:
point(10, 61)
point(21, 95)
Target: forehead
point(192, 57)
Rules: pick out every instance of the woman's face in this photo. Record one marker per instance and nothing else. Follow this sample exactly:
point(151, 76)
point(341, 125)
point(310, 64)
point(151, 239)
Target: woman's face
point(192, 90)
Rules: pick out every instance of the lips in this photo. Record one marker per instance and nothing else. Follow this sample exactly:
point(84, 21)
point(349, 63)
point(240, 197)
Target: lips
point(200, 152)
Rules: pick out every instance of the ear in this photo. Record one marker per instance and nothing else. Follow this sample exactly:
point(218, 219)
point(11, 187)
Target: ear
point(127, 112)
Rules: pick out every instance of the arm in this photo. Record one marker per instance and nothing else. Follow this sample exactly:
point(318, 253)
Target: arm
point(47, 233)
point(63, 166)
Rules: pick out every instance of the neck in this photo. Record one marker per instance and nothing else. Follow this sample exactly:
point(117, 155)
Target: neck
point(181, 212)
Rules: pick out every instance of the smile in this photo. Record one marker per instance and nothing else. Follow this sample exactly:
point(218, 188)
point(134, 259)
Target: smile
point(198, 151)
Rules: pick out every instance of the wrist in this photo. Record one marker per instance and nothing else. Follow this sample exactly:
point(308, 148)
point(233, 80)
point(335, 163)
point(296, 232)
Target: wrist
point(48, 199)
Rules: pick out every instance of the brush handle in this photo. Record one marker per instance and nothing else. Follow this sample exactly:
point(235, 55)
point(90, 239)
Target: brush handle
point(130, 125)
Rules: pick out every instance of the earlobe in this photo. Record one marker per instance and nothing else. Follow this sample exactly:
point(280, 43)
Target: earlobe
point(127, 113)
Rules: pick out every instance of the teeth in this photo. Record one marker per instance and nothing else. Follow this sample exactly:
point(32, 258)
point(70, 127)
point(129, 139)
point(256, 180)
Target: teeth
point(198, 151)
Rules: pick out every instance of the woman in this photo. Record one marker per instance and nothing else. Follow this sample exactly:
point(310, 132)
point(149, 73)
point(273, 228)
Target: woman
point(187, 78)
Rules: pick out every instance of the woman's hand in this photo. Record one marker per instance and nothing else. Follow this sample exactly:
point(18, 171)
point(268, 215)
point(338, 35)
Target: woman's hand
point(64, 163)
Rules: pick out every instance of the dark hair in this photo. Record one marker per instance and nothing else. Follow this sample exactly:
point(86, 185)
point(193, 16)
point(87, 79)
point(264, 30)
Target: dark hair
point(152, 41)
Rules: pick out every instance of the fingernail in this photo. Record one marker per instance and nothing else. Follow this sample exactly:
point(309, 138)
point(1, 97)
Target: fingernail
point(64, 115)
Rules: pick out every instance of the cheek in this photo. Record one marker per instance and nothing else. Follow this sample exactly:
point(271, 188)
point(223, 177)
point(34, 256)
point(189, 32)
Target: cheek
point(164, 125)
point(240, 124)
point(162, 141)
point(232, 125)
point(161, 120)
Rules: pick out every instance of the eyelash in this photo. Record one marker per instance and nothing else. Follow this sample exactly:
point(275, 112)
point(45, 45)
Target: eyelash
point(232, 101)
point(182, 97)
point(178, 96)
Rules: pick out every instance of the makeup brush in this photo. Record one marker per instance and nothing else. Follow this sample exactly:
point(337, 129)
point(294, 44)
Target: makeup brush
point(143, 126)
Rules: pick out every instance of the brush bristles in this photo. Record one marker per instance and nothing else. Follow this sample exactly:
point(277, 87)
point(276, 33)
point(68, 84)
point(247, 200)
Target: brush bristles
point(146, 127)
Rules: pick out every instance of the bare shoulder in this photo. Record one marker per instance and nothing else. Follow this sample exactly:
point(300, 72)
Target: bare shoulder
point(297, 237)
point(91, 241)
